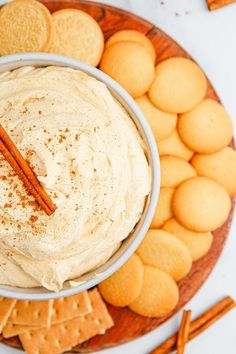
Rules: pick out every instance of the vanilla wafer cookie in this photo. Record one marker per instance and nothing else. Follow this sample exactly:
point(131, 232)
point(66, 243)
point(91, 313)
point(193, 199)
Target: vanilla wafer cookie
point(174, 171)
point(166, 252)
point(130, 275)
point(220, 166)
point(198, 243)
point(133, 36)
point(207, 128)
point(163, 124)
point(201, 204)
point(159, 294)
point(178, 86)
point(164, 207)
point(130, 64)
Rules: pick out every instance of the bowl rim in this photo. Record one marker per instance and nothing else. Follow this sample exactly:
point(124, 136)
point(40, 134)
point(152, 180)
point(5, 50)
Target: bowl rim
point(14, 61)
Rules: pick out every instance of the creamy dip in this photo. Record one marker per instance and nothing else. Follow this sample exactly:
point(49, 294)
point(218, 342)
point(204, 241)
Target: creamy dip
point(89, 157)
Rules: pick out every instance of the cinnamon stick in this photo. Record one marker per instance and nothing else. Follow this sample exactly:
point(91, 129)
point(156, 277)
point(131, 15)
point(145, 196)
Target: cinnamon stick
point(211, 321)
point(25, 173)
point(217, 4)
point(183, 334)
point(197, 326)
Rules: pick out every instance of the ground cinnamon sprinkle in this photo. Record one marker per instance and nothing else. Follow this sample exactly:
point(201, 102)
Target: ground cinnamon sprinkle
point(33, 218)
point(11, 174)
point(62, 137)
point(9, 254)
point(7, 206)
point(25, 110)
point(34, 205)
point(28, 154)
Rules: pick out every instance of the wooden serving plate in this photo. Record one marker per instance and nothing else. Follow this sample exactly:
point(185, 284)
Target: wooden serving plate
point(128, 325)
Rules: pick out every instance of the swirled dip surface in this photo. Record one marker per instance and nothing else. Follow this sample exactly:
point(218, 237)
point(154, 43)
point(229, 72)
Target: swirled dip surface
point(89, 157)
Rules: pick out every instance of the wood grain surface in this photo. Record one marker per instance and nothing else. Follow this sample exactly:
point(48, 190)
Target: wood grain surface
point(128, 325)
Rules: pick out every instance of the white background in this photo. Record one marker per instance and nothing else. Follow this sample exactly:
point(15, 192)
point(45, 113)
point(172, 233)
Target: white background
point(211, 39)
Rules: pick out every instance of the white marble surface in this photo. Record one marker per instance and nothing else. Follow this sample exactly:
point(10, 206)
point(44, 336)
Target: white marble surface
point(210, 39)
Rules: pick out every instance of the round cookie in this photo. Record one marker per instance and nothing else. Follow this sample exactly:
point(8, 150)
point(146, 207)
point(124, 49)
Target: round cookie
point(131, 65)
point(164, 207)
point(198, 243)
point(179, 85)
point(162, 250)
point(128, 277)
point(220, 166)
point(162, 123)
point(174, 146)
point(174, 171)
point(201, 204)
point(159, 294)
point(207, 128)
point(133, 36)
point(77, 35)
point(20, 21)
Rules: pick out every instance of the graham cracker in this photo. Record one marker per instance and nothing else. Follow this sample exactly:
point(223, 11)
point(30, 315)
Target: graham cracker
point(12, 330)
point(70, 307)
point(63, 309)
point(61, 337)
point(6, 307)
point(32, 313)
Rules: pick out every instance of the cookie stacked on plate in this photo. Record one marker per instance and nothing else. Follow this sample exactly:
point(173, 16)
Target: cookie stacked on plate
point(28, 26)
point(198, 177)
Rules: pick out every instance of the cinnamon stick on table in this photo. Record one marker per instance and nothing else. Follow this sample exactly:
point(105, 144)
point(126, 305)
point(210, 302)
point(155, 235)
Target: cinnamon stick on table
point(217, 4)
point(25, 173)
point(198, 325)
point(184, 330)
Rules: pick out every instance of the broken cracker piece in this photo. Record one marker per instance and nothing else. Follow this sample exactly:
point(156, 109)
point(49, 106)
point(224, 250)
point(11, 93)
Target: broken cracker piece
point(6, 307)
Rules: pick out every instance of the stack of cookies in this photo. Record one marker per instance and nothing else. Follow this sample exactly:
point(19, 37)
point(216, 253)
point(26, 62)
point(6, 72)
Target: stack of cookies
point(28, 26)
point(198, 174)
point(54, 326)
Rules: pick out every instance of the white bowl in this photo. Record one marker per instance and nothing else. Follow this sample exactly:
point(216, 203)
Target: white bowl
point(130, 244)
